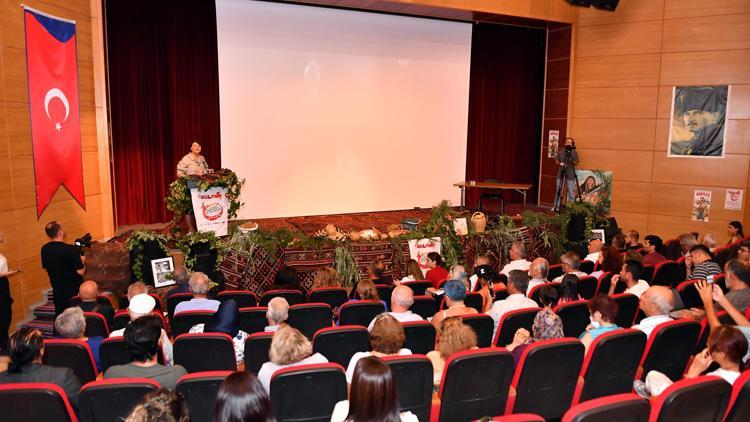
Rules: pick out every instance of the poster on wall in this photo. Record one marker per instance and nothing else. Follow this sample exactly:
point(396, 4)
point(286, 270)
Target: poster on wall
point(595, 187)
point(701, 205)
point(552, 143)
point(697, 121)
point(211, 208)
point(733, 199)
point(598, 234)
point(419, 248)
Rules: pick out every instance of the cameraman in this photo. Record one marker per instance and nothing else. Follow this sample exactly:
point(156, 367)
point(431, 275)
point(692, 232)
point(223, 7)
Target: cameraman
point(567, 159)
point(64, 264)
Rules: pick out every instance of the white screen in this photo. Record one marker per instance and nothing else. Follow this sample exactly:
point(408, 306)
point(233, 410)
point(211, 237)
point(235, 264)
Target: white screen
point(331, 111)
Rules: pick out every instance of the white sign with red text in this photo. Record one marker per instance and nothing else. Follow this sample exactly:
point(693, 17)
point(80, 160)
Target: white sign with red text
point(733, 199)
point(211, 210)
point(419, 248)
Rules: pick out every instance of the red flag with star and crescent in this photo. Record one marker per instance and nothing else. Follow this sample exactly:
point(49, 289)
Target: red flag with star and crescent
point(53, 102)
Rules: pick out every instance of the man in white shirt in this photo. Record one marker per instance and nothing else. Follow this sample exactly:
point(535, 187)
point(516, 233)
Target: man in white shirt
point(142, 305)
point(518, 282)
point(518, 260)
point(402, 298)
point(538, 271)
point(278, 312)
point(199, 285)
point(656, 303)
point(570, 264)
point(630, 275)
point(595, 249)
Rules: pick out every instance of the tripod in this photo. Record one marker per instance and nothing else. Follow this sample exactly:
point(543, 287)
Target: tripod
point(561, 179)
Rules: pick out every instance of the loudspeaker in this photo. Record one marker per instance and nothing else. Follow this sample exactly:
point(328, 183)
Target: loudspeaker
point(582, 3)
point(576, 226)
point(611, 230)
point(610, 5)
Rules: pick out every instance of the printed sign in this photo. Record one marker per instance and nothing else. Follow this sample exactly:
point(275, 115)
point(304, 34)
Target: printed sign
point(733, 200)
point(701, 205)
point(553, 142)
point(211, 207)
point(419, 248)
point(460, 226)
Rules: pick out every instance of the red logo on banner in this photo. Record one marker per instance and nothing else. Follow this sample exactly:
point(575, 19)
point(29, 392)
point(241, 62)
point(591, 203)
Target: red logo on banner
point(53, 102)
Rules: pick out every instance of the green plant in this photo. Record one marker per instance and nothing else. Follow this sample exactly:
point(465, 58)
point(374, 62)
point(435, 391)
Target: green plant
point(179, 200)
point(590, 213)
point(185, 243)
point(440, 224)
point(136, 242)
point(345, 264)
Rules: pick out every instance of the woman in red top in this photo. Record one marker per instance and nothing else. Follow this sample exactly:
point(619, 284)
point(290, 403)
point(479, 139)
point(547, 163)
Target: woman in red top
point(436, 273)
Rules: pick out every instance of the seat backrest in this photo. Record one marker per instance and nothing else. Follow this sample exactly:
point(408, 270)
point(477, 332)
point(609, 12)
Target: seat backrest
point(257, 346)
point(587, 267)
point(339, 344)
point(157, 301)
point(474, 300)
point(689, 294)
point(96, 325)
point(554, 272)
point(574, 316)
point(648, 273)
point(482, 324)
point(667, 273)
point(418, 286)
point(413, 378)
point(112, 399)
point(308, 318)
point(587, 286)
point(424, 306)
point(692, 399)
point(670, 347)
point(244, 298)
point(628, 307)
point(49, 403)
point(724, 319)
point(611, 364)
point(253, 320)
point(621, 407)
point(205, 352)
point(122, 318)
point(333, 296)
point(384, 293)
point(475, 384)
point(175, 299)
point(292, 296)
point(511, 322)
point(605, 281)
point(546, 377)
point(534, 293)
point(420, 336)
point(182, 322)
point(199, 390)
point(739, 403)
point(307, 392)
point(73, 354)
point(360, 312)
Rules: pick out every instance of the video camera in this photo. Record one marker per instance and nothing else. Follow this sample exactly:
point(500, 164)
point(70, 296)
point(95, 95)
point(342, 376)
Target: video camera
point(83, 242)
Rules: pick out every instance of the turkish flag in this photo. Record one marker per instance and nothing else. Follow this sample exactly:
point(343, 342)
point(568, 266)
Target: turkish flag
point(53, 102)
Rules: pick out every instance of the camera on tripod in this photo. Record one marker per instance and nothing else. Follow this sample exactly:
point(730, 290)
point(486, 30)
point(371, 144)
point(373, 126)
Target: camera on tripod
point(83, 242)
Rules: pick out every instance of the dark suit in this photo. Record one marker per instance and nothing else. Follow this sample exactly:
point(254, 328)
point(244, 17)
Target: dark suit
point(63, 377)
point(104, 310)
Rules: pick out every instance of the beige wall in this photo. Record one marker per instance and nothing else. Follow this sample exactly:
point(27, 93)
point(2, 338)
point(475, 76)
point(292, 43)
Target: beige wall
point(18, 220)
point(625, 65)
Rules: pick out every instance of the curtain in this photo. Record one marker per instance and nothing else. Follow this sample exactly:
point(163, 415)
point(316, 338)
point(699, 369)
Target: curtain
point(506, 98)
point(164, 93)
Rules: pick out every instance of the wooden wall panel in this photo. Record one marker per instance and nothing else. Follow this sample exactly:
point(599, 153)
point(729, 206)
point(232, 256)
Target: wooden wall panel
point(737, 137)
point(671, 227)
point(632, 220)
point(627, 103)
point(612, 133)
point(630, 196)
point(14, 75)
point(628, 70)
point(727, 171)
point(739, 101)
point(676, 200)
point(722, 32)
point(609, 40)
point(706, 67)
point(690, 8)
point(634, 166)
point(627, 11)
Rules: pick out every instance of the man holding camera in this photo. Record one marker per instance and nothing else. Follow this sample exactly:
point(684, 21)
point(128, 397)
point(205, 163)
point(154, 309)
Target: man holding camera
point(65, 265)
point(567, 159)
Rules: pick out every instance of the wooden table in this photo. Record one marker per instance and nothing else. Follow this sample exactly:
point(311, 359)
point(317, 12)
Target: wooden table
point(521, 188)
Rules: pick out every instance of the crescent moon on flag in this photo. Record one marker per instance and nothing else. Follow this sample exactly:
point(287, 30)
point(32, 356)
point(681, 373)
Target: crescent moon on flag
point(56, 93)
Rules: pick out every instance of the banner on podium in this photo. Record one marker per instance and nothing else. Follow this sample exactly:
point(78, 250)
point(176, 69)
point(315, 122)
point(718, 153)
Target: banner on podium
point(211, 210)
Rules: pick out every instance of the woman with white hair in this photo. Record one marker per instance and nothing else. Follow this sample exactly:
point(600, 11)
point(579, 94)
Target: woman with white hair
point(71, 324)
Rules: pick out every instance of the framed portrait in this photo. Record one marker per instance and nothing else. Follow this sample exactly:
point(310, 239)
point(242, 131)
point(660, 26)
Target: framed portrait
point(595, 187)
point(698, 120)
point(163, 269)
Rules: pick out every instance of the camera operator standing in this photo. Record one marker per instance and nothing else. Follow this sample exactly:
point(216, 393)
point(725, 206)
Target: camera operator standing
point(567, 159)
point(65, 265)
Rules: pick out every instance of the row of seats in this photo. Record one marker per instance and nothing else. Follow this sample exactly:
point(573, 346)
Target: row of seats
point(666, 273)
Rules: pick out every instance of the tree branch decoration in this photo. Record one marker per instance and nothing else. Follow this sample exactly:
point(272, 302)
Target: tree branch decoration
point(136, 242)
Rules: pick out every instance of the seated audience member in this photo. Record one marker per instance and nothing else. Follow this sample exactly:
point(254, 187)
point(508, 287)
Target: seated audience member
point(372, 396)
point(743, 253)
point(386, 339)
point(241, 397)
point(137, 288)
point(486, 279)
point(143, 305)
point(632, 255)
point(402, 298)
point(609, 261)
point(517, 254)
point(482, 260)
point(619, 243)
point(286, 279)
point(277, 314)
point(456, 272)
point(518, 282)
point(631, 241)
point(569, 289)
point(25, 349)
point(199, 286)
point(453, 336)
point(454, 295)
point(652, 246)
point(226, 320)
point(687, 241)
point(709, 241)
point(88, 291)
point(673, 250)
point(594, 248)
point(162, 405)
point(289, 347)
point(413, 272)
point(735, 232)
point(326, 277)
point(142, 340)
point(656, 303)
point(699, 263)
point(737, 279)
point(71, 324)
point(366, 290)
point(376, 272)
point(436, 273)
point(710, 293)
point(603, 313)
point(181, 278)
point(538, 271)
point(630, 275)
point(547, 325)
point(570, 265)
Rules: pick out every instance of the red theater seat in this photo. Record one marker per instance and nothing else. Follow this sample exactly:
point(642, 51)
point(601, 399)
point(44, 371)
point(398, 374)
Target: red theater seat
point(669, 348)
point(73, 354)
point(200, 352)
point(199, 390)
point(413, 378)
point(50, 403)
point(574, 316)
point(482, 325)
point(339, 344)
point(257, 346)
point(698, 399)
point(253, 320)
point(511, 322)
point(627, 309)
point(333, 296)
point(420, 336)
point(112, 399)
point(308, 318)
point(96, 325)
point(244, 298)
point(307, 392)
point(183, 321)
point(293, 297)
point(739, 403)
point(361, 312)
point(618, 407)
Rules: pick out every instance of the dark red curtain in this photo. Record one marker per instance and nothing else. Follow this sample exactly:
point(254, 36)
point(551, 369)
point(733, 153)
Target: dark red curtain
point(164, 93)
point(506, 98)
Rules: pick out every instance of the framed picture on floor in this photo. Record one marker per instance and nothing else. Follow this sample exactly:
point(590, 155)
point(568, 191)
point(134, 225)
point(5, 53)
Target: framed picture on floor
point(163, 269)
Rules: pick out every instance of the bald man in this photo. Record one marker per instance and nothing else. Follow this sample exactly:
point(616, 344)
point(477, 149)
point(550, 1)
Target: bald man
point(89, 291)
point(402, 298)
point(656, 303)
point(595, 248)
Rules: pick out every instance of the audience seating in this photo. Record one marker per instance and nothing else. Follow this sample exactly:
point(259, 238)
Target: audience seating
point(333, 296)
point(308, 318)
point(587, 287)
point(205, 352)
point(73, 354)
point(720, 280)
point(604, 282)
point(253, 320)
point(619, 407)
point(575, 317)
point(611, 364)
point(723, 317)
point(293, 297)
point(113, 352)
point(112, 399)
point(669, 348)
point(122, 319)
point(518, 417)
point(199, 390)
point(698, 399)
point(418, 286)
point(501, 293)
point(307, 392)
point(554, 272)
point(384, 292)
point(244, 298)
point(182, 322)
point(50, 403)
point(739, 403)
point(158, 306)
point(96, 325)
point(174, 300)
point(546, 376)
point(339, 344)
point(475, 300)
point(689, 294)
point(413, 378)
point(475, 384)
point(100, 299)
point(424, 306)
point(628, 307)
point(534, 293)
point(647, 274)
point(511, 322)
point(587, 266)
point(482, 325)
point(420, 336)
point(257, 346)
point(667, 273)
point(360, 312)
